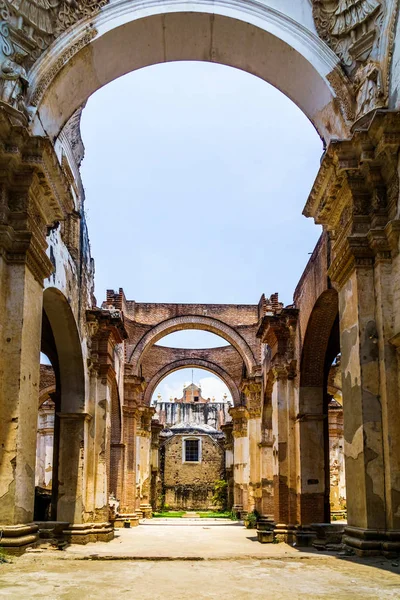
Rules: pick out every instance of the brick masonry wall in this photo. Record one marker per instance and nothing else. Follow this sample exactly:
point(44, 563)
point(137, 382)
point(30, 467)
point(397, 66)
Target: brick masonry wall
point(159, 356)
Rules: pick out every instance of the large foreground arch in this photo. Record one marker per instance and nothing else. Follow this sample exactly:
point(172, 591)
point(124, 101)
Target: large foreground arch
point(188, 364)
point(248, 35)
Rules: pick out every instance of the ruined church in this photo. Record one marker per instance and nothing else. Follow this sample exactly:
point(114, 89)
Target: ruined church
point(313, 431)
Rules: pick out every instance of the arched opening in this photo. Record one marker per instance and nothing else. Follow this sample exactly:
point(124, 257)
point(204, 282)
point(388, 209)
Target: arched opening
point(193, 339)
point(44, 509)
point(192, 444)
point(193, 322)
point(320, 430)
point(260, 40)
point(62, 398)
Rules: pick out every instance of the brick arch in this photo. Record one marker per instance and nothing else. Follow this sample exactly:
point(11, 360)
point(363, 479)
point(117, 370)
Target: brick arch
point(189, 363)
point(193, 322)
point(316, 340)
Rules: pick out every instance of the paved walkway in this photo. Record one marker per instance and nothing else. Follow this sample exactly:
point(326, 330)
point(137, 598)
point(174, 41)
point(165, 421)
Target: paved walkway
point(171, 560)
point(198, 539)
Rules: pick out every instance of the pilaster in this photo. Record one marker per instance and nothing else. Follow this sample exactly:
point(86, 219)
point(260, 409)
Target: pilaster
point(33, 195)
point(241, 467)
point(277, 330)
point(355, 197)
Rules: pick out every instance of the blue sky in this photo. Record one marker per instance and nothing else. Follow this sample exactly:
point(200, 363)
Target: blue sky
point(196, 175)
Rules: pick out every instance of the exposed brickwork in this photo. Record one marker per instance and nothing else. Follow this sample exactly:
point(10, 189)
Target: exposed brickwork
point(47, 384)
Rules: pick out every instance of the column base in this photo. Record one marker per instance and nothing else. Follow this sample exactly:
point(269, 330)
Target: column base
point(265, 529)
point(83, 533)
point(285, 533)
point(52, 532)
point(304, 536)
point(147, 511)
point(238, 510)
point(126, 520)
point(15, 539)
point(328, 535)
point(372, 542)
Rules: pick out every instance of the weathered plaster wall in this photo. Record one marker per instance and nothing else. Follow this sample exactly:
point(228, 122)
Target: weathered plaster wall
point(190, 485)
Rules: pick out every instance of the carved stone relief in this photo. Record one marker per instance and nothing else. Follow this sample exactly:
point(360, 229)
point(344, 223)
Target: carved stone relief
point(360, 32)
point(27, 29)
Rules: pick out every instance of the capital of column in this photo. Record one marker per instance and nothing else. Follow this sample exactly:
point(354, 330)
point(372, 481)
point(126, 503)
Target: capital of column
point(134, 387)
point(252, 389)
point(145, 420)
point(240, 416)
point(34, 195)
point(355, 197)
point(107, 330)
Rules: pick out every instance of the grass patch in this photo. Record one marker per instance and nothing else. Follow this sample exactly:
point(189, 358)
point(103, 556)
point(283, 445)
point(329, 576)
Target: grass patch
point(215, 515)
point(169, 513)
point(4, 558)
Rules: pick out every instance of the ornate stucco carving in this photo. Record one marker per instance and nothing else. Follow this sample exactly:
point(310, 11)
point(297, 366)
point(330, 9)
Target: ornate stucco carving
point(72, 131)
point(361, 33)
point(33, 25)
point(27, 29)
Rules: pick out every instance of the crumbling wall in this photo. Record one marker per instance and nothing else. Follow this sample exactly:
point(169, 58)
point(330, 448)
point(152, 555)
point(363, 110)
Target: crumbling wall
point(190, 485)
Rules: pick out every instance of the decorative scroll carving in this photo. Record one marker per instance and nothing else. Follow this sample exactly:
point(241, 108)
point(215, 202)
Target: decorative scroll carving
point(349, 27)
point(27, 28)
point(35, 24)
point(361, 33)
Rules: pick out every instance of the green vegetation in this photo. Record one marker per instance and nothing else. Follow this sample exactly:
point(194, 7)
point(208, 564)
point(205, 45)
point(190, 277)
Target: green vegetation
point(203, 514)
point(169, 513)
point(220, 496)
point(215, 515)
point(3, 556)
point(250, 520)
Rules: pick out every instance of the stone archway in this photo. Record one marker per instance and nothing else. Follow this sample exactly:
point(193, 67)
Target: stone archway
point(69, 426)
point(192, 363)
point(280, 47)
point(321, 345)
point(193, 322)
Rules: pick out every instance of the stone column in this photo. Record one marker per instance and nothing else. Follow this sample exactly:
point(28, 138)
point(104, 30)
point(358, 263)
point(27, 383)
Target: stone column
point(267, 459)
point(143, 473)
point(155, 486)
point(28, 203)
point(241, 453)
point(356, 198)
point(133, 393)
point(229, 462)
point(283, 452)
point(45, 446)
point(252, 389)
point(278, 330)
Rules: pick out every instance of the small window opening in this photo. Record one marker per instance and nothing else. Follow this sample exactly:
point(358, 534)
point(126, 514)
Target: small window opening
point(196, 398)
point(192, 450)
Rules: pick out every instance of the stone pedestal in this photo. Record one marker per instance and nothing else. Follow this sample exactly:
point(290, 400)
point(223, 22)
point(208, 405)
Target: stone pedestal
point(132, 518)
point(146, 510)
point(83, 533)
point(265, 530)
point(16, 539)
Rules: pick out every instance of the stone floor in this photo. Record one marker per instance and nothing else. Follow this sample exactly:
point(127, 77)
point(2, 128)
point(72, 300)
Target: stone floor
point(171, 561)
